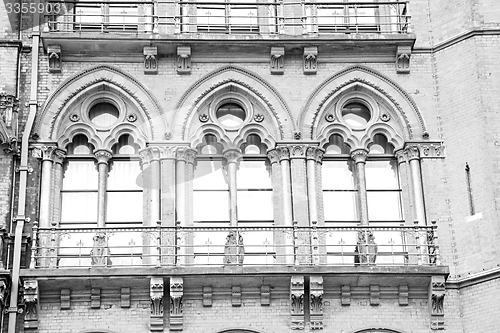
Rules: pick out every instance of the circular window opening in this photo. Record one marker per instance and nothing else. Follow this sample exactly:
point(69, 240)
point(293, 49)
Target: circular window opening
point(356, 114)
point(230, 115)
point(103, 114)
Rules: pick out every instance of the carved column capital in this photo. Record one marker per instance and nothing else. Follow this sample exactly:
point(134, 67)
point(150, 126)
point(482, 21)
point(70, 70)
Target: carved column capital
point(58, 155)
point(44, 152)
point(283, 153)
point(412, 152)
point(359, 155)
point(30, 298)
point(232, 155)
point(176, 298)
point(103, 156)
point(315, 153)
point(168, 152)
point(400, 156)
point(150, 154)
point(156, 295)
point(186, 154)
point(273, 156)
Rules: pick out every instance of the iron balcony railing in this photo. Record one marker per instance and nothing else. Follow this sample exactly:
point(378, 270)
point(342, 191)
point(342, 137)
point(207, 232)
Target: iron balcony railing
point(239, 246)
point(228, 17)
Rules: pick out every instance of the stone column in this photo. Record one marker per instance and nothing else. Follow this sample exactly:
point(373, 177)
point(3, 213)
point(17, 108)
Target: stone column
point(359, 156)
point(167, 198)
point(45, 153)
point(314, 157)
point(57, 176)
point(102, 157)
point(413, 154)
point(284, 157)
point(232, 157)
point(276, 176)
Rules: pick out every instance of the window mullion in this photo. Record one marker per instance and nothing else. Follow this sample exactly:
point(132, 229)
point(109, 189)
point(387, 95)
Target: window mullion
point(359, 157)
point(103, 157)
point(232, 157)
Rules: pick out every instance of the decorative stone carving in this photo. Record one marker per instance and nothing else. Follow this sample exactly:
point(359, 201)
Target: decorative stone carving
point(385, 117)
point(273, 156)
point(30, 299)
point(310, 60)
point(131, 117)
point(100, 254)
point(259, 117)
point(359, 156)
point(65, 299)
point(374, 294)
point(103, 156)
point(150, 59)
point(297, 302)
point(412, 152)
point(125, 297)
point(283, 153)
point(315, 153)
point(234, 250)
point(176, 297)
point(236, 295)
point(366, 248)
point(265, 295)
point(156, 296)
point(403, 59)
point(95, 298)
point(437, 291)
point(3, 294)
point(345, 295)
point(54, 57)
point(403, 295)
point(203, 117)
point(277, 63)
point(183, 59)
point(232, 155)
point(426, 149)
point(316, 302)
point(207, 296)
point(9, 109)
point(43, 152)
point(330, 117)
point(74, 117)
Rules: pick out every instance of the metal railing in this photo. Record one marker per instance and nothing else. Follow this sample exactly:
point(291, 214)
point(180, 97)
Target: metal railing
point(238, 246)
point(228, 17)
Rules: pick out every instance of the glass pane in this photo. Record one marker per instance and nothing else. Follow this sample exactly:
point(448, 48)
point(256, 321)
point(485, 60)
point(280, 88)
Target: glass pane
point(243, 14)
point(80, 175)
point(124, 207)
point(384, 206)
point(88, 15)
point(79, 207)
point(211, 206)
point(125, 175)
point(255, 205)
point(123, 15)
point(330, 16)
point(253, 175)
point(209, 175)
point(382, 175)
point(211, 15)
point(340, 206)
point(338, 175)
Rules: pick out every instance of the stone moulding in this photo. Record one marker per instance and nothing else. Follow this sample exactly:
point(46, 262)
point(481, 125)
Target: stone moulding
point(437, 291)
point(297, 302)
point(156, 296)
point(31, 300)
point(176, 303)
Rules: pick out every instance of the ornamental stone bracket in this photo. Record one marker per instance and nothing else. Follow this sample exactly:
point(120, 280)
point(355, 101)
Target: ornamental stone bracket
point(156, 296)
point(183, 59)
point(297, 302)
point(54, 57)
point(150, 60)
point(9, 110)
point(277, 62)
point(176, 299)
point(3, 294)
point(310, 60)
point(403, 55)
point(437, 291)
point(316, 302)
point(424, 149)
point(30, 299)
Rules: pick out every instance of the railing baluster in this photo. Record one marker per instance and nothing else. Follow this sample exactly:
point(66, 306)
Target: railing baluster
point(34, 245)
point(417, 243)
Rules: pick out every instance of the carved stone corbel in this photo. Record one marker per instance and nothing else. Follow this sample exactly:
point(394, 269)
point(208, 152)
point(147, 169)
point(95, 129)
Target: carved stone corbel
point(183, 59)
point(3, 294)
point(125, 297)
point(150, 59)
point(403, 59)
point(236, 296)
point(345, 295)
point(9, 110)
point(265, 295)
point(297, 302)
point(316, 302)
point(374, 294)
point(437, 291)
point(207, 296)
point(54, 56)
point(65, 299)
point(403, 295)
point(310, 60)
point(176, 298)
point(95, 298)
point(156, 295)
point(277, 63)
point(30, 298)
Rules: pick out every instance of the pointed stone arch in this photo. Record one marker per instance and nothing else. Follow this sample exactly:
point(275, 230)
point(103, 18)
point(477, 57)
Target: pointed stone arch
point(400, 102)
point(107, 78)
point(232, 76)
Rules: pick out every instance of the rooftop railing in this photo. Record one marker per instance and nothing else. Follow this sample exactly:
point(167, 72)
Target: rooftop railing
point(228, 17)
point(236, 246)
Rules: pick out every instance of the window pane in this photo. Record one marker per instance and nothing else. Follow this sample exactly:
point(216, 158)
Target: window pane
point(79, 207)
point(340, 206)
point(80, 175)
point(125, 175)
point(211, 15)
point(384, 206)
point(338, 175)
point(382, 175)
point(209, 175)
point(211, 206)
point(255, 205)
point(124, 207)
point(253, 175)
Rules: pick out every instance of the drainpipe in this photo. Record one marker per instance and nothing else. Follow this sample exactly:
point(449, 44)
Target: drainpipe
point(23, 176)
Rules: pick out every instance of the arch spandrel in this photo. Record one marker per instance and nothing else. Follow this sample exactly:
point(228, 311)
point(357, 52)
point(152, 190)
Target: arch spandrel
point(229, 79)
point(398, 103)
point(73, 93)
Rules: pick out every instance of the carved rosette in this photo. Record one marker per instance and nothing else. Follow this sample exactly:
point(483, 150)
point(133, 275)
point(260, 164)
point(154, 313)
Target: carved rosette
point(156, 296)
point(54, 57)
point(316, 302)
point(297, 302)
point(436, 302)
point(310, 60)
point(277, 62)
point(359, 156)
point(176, 296)
point(30, 299)
point(183, 59)
point(150, 59)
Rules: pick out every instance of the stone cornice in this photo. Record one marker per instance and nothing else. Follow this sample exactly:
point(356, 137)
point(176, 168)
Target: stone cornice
point(426, 149)
point(456, 39)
